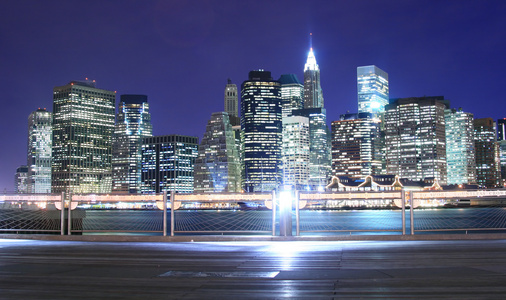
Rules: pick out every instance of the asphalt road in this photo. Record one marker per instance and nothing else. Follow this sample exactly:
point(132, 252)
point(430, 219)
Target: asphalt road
point(457, 269)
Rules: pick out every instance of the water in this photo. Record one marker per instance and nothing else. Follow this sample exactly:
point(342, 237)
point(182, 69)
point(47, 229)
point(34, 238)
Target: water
point(311, 222)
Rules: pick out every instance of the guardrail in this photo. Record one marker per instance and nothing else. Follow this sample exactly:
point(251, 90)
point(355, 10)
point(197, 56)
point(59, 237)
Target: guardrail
point(256, 213)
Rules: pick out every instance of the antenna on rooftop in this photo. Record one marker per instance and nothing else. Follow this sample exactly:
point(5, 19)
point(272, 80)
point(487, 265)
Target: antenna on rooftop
point(311, 40)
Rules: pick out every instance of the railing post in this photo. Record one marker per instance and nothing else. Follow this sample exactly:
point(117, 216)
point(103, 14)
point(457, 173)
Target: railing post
point(411, 214)
point(62, 214)
point(69, 213)
point(403, 206)
point(165, 213)
point(172, 223)
point(273, 195)
point(297, 213)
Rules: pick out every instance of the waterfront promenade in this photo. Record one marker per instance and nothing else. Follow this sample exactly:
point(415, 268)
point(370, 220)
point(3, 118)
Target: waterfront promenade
point(112, 267)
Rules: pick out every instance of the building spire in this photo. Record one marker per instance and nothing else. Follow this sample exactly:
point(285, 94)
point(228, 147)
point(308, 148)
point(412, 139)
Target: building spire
point(311, 60)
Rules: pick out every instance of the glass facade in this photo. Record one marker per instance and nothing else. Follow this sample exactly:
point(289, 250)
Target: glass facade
point(356, 145)
point(415, 140)
point(168, 163)
point(319, 146)
point(460, 153)
point(21, 180)
point(292, 94)
point(488, 172)
point(296, 152)
point(372, 85)
point(261, 123)
point(217, 167)
point(40, 141)
point(133, 123)
point(83, 124)
point(501, 138)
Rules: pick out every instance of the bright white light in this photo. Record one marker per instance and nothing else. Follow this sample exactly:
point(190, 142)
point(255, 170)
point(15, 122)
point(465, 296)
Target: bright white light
point(285, 198)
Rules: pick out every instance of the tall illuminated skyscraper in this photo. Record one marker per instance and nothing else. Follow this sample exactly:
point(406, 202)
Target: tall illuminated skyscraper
point(40, 141)
point(83, 124)
point(501, 139)
point(356, 145)
point(372, 89)
point(261, 124)
point(133, 123)
point(415, 138)
point(313, 96)
point(292, 94)
point(319, 134)
point(488, 170)
point(319, 146)
point(460, 153)
point(217, 167)
point(231, 99)
point(296, 152)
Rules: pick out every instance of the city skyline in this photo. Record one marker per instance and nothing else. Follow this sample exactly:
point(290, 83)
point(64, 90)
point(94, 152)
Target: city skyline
point(450, 48)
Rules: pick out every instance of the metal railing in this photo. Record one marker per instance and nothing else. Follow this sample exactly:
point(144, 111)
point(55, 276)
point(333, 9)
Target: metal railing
point(231, 213)
point(398, 212)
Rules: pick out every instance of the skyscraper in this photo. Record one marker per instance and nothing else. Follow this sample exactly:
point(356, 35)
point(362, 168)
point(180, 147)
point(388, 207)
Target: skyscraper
point(460, 153)
point(133, 123)
point(487, 153)
point(319, 146)
point(372, 85)
point(168, 163)
point(501, 139)
point(356, 145)
point(231, 99)
point(292, 94)
point(296, 152)
point(501, 129)
point(261, 124)
point(415, 138)
point(217, 167)
point(83, 124)
point(21, 180)
point(313, 96)
point(319, 135)
point(40, 143)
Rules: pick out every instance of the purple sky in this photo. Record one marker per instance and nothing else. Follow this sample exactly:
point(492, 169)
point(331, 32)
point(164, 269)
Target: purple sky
point(180, 54)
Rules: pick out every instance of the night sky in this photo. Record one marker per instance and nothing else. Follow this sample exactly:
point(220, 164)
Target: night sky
point(181, 53)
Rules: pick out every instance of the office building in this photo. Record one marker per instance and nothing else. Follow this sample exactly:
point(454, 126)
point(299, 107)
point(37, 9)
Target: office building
point(372, 83)
point(319, 147)
point(21, 180)
point(296, 152)
point(313, 96)
point(261, 124)
point(415, 138)
point(292, 94)
point(501, 129)
point(460, 153)
point(356, 145)
point(217, 167)
point(83, 124)
point(168, 163)
point(133, 123)
point(231, 99)
point(501, 139)
point(40, 141)
point(488, 170)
